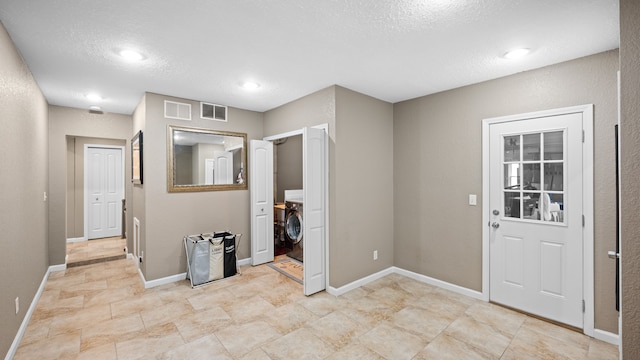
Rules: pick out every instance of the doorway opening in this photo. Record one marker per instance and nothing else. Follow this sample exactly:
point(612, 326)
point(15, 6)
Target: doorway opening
point(305, 207)
point(95, 200)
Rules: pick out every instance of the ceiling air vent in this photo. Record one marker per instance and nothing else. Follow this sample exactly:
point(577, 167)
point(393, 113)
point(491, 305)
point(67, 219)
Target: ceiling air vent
point(213, 112)
point(176, 110)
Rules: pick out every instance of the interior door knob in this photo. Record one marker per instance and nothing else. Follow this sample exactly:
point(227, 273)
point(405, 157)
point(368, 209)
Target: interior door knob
point(613, 255)
point(495, 225)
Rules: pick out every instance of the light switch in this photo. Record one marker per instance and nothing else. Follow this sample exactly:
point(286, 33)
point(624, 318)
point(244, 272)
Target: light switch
point(473, 200)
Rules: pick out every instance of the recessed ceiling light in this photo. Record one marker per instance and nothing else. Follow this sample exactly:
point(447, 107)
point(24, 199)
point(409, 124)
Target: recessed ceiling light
point(516, 53)
point(250, 85)
point(131, 55)
point(94, 97)
point(95, 108)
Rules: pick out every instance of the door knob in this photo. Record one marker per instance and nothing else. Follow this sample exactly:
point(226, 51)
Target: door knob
point(613, 255)
point(496, 212)
point(495, 225)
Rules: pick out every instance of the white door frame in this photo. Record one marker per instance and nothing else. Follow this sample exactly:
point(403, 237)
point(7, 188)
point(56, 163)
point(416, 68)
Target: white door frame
point(86, 174)
point(587, 201)
point(324, 127)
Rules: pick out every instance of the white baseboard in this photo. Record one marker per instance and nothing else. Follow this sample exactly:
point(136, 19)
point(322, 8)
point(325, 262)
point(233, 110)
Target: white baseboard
point(441, 284)
point(360, 282)
point(244, 262)
point(79, 239)
point(606, 336)
point(56, 268)
point(161, 281)
point(34, 303)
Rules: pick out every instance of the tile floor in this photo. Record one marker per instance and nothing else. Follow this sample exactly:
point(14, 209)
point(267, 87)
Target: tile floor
point(94, 251)
point(101, 311)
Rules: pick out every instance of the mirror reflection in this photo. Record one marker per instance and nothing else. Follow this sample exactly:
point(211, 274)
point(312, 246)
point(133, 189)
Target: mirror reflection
point(205, 160)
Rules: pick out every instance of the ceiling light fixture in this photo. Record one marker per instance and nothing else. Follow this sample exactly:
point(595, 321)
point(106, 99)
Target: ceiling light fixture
point(131, 55)
point(516, 53)
point(249, 85)
point(94, 97)
point(95, 108)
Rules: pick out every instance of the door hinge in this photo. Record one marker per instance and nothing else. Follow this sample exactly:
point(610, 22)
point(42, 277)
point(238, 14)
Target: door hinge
point(584, 306)
point(583, 135)
point(583, 221)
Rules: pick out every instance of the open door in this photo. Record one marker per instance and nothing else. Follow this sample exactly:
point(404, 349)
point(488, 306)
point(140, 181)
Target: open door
point(261, 189)
point(315, 180)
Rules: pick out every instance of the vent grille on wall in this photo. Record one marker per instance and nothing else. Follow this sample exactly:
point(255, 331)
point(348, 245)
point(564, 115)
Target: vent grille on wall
point(213, 112)
point(176, 110)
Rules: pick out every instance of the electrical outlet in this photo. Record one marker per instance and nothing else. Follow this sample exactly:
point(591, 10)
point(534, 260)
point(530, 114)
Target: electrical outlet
point(17, 305)
point(44, 197)
point(375, 254)
point(473, 200)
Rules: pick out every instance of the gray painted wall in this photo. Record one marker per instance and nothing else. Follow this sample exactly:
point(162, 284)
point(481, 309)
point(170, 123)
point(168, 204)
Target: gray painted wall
point(630, 173)
point(64, 122)
point(23, 175)
point(438, 162)
point(168, 217)
point(360, 189)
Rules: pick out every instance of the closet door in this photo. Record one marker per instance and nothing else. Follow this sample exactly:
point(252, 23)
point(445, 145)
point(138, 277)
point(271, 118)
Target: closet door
point(261, 189)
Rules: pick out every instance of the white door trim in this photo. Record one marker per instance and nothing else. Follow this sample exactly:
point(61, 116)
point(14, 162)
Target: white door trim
point(86, 174)
point(324, 127)
point(587, 200)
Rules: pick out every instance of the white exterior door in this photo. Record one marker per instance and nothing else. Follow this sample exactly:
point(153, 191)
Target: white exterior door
point(535, 200)
point(315, 180)
point(261, 189)
point(105, 191)
point(223, 173)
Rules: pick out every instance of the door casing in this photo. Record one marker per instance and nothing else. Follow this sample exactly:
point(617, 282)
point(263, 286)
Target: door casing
point(587, 200)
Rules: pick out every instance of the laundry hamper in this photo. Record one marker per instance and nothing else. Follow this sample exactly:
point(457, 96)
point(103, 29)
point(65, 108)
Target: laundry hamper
point(211, 256)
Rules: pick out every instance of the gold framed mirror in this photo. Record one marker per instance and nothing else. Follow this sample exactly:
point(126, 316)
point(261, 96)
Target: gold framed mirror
point(205, 160)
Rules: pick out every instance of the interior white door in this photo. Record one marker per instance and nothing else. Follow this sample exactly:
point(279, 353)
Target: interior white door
point(261, 189)
point(536, 207)
point(315, 179)
point(223, 173)
point(105, 192)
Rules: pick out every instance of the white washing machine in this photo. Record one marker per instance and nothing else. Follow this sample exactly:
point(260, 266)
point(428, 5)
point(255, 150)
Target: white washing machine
point(294, 220)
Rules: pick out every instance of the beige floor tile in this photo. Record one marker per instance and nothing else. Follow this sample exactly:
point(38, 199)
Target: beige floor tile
point(320, 304)
point(102, 352)
point(355, 352)
point(63, 346)
point(249, 309)
point(111, 331)
point(201, 323)
point(504, 320)
point(445, 347)
point(208, 299)
point(166, 313)
point(264, 315)
point(140, 303)
point(367, 311)
point(207, 347)
point(298, 344)
point(79, 319)
point(257, 354)
point(148, 344)
point(479, 335)
point(337, 329)
point(289, 317)
point(421, 322)
point(392, 343)
point(242, 339)
point(529, 344)
point(602, 350)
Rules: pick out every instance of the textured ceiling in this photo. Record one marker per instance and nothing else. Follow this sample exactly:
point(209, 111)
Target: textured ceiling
point(203, 49)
